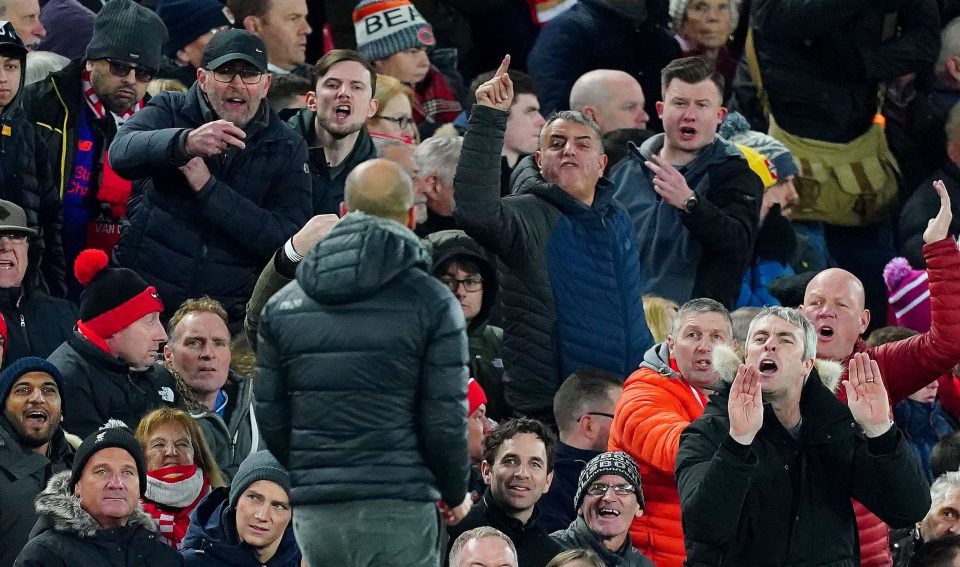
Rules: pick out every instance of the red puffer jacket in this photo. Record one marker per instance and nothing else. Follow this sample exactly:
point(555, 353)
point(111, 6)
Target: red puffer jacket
point(911, 364)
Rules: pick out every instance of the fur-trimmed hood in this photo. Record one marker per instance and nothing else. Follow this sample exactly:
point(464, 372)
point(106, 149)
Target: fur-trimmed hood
point(726, 361)
point(59, 509)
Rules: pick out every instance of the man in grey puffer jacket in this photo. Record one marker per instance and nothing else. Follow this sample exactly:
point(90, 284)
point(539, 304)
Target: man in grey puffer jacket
point(362, 383)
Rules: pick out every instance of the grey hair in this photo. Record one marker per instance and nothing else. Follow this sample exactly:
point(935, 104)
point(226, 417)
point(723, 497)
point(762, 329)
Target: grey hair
point(438, 156)
point(952, 126)
point(381, 145)
point(478, 533)
point(571, 116)
point(944, 483)
point(795, 318)
point(40, 64)
point(949, 47)
point(700, 305)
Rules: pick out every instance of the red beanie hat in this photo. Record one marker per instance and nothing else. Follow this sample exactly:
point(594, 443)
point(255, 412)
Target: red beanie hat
point(475, 396)
point(908, 294)
point(114, 298)
point(4, 333)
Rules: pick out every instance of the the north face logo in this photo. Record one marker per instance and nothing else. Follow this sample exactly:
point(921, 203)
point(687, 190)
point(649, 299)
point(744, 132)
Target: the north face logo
point(100, 437)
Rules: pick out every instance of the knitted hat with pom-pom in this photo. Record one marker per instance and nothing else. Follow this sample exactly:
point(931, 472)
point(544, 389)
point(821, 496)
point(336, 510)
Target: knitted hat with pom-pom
point(908, 294)
point(114, 298)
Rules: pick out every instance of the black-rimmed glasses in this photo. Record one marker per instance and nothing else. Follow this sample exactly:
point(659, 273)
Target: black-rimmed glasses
point(469, 284)
point(401, 121)
point(248, 75)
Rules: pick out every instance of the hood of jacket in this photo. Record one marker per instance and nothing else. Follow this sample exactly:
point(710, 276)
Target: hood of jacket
point(726, 361)
point(213, 530)
point(15, 108)
point(526, 178)
point(657, 358)
point(59, 509)
point(448, 244)
point(361, 255)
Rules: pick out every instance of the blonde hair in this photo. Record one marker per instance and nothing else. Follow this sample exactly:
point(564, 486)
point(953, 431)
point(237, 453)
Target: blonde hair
point(158, 86)
point(387, 88)
point(202, 455)
point(660, 314)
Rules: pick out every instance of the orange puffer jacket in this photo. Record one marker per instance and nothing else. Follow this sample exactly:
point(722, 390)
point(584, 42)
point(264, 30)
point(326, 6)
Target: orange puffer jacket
point(656, 406)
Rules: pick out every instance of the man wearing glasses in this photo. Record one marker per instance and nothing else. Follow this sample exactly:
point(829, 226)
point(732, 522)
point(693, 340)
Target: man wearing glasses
point(77, 112)
point(609, 497)
point(583, 408)
point(659, 400)
point(225, 182)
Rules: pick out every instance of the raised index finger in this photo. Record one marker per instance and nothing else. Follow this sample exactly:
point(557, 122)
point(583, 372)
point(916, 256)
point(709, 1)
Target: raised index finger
point(504, 66)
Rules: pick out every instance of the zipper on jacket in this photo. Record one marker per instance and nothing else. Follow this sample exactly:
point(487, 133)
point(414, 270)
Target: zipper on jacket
point(23, 328)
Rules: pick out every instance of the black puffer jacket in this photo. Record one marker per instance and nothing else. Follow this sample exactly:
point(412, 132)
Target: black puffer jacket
point(327, 191)
point(36, 323)
point(99, 387)
point(821, 62)
point(25, 180)
point(68, 536)
point(214, 242)
point(361, 388)
point(23, 474)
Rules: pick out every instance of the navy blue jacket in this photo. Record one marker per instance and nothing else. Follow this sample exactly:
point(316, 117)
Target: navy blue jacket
point(214, 241)
point(570, 273)
point(212, 539)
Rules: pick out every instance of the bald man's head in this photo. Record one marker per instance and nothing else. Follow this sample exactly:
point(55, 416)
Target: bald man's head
point(613, 99)
point(382, 188)
point(834, 302)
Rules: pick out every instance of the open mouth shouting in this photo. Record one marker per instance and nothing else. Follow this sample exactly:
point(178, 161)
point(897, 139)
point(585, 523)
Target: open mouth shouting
point(35, 418)
point(767, 367)
point(342, 112)
point(687, 133)
point(825, 332)
point(7, 265)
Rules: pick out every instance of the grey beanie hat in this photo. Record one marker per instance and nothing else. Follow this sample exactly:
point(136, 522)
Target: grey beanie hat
point(258, 466)
point(126, 31)
point(386, 27)
point(612, 462)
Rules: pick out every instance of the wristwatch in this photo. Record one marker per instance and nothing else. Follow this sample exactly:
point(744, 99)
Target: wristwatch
point(691, 204)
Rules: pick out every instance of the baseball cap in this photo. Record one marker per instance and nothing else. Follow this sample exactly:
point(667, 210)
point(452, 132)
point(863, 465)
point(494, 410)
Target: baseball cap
point(232, 45)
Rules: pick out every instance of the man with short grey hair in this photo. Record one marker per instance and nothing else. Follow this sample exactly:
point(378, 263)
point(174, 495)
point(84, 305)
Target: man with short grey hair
point(485, 546)
point(560, 235)
point(364, 326)
point(25, 17)
point(436, 160)
point(660, 399)
point(943, 519)
point(767, 474)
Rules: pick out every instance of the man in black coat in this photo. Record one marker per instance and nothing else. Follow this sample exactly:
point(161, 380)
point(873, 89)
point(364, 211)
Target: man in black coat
point(224, 182)
point(108, 362)
point(362, 384)
point(36, 322)
point(76, 112)
point(25, 168)
point(517, 467)
point(333, 121)
point(92, 515)
point(770, 483)
point(32, 446)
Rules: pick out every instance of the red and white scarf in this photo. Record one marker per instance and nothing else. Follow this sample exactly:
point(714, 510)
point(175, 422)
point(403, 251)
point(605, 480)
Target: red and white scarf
point(96, 105)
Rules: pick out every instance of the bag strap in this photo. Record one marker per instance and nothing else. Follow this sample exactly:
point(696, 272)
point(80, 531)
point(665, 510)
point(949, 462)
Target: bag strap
point(753, 66)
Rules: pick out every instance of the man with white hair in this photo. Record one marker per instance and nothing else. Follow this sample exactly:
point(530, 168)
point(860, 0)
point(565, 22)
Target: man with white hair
point(437, 163)
point(943, 519)
point(484, 547)
point(767, 473)
point(613, 99)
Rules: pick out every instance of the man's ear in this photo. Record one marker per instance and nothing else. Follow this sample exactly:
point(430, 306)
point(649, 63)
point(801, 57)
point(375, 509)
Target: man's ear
point(167, 354)
point(589, 112)
point(546, 487)
point(486, 472)
point(659, 106)
point(412, 218)
point(343, 209)
point(537, 156)
point(670, 343)
point(374, 107)
point(864, 320)
point(251, 24)
point(952, 68)
point(311, 100)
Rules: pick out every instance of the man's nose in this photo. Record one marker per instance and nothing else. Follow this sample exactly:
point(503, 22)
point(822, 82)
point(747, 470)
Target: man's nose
point(37, 396)
point(262, 511)
point(642, 117)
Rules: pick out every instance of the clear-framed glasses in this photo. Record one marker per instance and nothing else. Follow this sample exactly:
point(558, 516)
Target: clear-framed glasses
point(599, 489)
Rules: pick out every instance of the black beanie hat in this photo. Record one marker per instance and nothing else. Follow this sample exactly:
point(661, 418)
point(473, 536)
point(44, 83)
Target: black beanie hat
point(114, 433)
point(114, 298)
point(187, 20)
point(26, 365)
point(613, 462)
point(10, 42)
point(126, 31)
point(261, 465)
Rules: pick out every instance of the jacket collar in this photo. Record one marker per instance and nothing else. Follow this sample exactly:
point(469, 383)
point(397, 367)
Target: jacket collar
point(526, 178)
point(96, 356)
point(498, 518)
point(304, 122)
point(59, 509)
point(583, 537)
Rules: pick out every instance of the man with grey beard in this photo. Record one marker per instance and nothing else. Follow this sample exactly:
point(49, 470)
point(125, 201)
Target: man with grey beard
point(225, 182)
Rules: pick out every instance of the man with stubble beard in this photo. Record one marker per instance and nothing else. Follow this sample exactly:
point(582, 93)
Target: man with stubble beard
point(32, 446)
point(225, 183)
point(333, 124)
